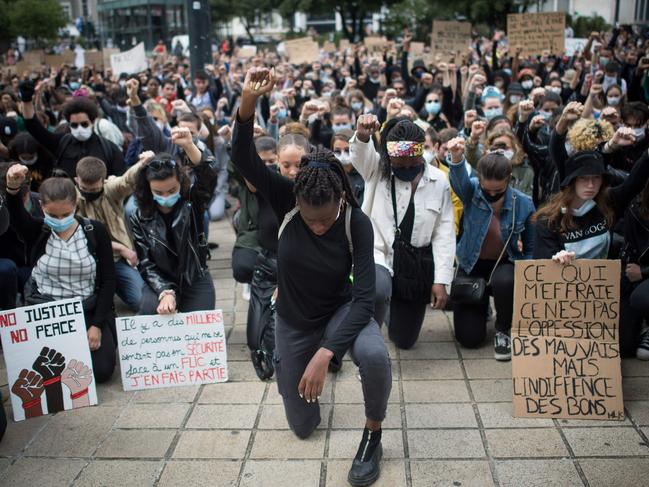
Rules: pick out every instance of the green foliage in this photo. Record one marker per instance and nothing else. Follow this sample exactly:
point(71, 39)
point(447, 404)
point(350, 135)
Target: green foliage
point(583, 26)
point(38, 20)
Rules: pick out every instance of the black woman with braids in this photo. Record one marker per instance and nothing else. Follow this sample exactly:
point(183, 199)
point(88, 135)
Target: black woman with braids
point(322, 309)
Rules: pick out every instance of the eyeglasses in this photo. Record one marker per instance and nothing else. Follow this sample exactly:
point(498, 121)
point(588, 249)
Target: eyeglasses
point(75, 125)
point(158, 164)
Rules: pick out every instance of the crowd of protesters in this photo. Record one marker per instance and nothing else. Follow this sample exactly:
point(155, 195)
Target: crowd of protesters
point(363, 187)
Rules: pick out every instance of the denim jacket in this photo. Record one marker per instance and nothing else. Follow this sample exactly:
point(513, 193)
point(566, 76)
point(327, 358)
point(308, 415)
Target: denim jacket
point(478, 213)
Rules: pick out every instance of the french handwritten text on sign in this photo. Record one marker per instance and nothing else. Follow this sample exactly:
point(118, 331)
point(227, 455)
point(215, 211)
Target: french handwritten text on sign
point(535, 33)
point(172, 350)
point(450, 38)
point(129, 62)
point(565, 351)
point(48, 360)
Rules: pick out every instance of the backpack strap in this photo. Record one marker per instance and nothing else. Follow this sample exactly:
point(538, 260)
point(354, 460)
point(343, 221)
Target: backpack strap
point(287, 218)
point(91, 236)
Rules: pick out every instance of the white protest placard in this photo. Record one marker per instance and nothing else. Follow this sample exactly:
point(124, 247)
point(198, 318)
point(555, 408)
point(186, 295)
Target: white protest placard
point(129, 62)
point(49, 368)
point(574, 44)
point(172, 350)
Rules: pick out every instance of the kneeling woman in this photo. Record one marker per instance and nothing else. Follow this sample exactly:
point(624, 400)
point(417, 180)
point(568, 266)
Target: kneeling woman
point(73, 257)
point(320, 314)
point(169, 230)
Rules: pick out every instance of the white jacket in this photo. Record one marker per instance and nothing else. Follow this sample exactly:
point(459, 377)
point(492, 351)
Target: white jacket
point(433, 225)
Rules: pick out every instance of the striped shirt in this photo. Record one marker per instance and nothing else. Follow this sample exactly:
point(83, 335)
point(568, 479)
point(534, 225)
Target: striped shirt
point(67, 268)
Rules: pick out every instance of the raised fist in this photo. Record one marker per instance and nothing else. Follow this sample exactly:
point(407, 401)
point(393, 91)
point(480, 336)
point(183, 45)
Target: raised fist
point(77, 376)
point(456, 148)
point(366, 126)
point(477, 129)
point(49, 363)
point(525, 109)
point(16, 175)
point(26, 91)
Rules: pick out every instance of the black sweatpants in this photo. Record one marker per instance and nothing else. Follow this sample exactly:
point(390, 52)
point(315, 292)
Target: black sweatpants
point(243, 264)
point(470, 322)
point(405, 319)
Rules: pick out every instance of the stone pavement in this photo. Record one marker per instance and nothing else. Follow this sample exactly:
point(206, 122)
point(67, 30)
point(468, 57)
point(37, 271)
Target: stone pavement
point(449, 423)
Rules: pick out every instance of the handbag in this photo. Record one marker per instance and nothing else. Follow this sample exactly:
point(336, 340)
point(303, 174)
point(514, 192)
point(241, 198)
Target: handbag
point(470, 290)
point(412, 266)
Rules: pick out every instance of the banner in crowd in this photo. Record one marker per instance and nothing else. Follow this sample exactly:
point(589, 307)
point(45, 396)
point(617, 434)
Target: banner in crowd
point(565, 340)
point(46, 350)
point(450, 38)
point(301, 51)
point(574, 44)
point(129, 62)
point(245, 52)
point(535, 33)
point(172, 350)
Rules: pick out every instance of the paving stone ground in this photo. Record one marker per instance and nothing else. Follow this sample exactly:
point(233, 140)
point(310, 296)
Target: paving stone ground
point(449, 423)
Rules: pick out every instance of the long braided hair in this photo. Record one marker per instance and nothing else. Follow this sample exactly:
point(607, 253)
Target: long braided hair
point(397, 129)
point(322, 179)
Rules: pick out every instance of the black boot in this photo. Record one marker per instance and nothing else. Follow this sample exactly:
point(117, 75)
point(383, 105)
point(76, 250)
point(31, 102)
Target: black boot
point(365, 467)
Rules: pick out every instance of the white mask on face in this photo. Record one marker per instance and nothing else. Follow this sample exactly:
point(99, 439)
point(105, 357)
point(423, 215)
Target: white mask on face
point(429, 156)
point(81, 133)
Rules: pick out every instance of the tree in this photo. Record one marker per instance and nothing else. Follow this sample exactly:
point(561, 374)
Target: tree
point(248, 11)
point(39, 20)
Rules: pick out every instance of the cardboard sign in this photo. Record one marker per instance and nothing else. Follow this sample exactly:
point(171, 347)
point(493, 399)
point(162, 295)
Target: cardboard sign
point(343, 44)
point(108, 52)
point(34, 58)
point(48, 360)
point(329, 46)
point(450, 38)
point(94, 58)
point(375, 43)
point(130, 62)
point(565, 340)
point(574, 44)
point(172, 350)
point(247, 52)
point(303, 50)
point(535, 33)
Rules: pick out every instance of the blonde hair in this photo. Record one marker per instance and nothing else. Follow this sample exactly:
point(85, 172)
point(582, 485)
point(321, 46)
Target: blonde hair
point(587, 134)
point(519, 153)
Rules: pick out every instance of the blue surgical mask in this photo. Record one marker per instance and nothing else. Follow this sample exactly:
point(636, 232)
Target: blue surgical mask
point(433, 107)
point(603, 61)
point(74, 85)
point(357, 106)
point(282, 113)
point(493, 112)
point(613, 100)
point(639, 133)
point(59, 224)
point(168, 201)
point(545, 114)
point(407, 173)
point(341, 126)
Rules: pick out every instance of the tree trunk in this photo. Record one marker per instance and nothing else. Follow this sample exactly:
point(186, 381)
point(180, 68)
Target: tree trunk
point(343, 18)
point(246, 25)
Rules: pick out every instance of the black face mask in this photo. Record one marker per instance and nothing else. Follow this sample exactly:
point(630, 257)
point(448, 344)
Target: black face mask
point(492, 198)
point(90, 197)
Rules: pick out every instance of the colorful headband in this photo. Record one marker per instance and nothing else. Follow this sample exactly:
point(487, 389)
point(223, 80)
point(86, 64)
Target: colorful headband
point(405, 148)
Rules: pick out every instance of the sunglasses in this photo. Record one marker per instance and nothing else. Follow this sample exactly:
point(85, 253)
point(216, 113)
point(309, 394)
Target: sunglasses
point(159, 164)
point(75, 125)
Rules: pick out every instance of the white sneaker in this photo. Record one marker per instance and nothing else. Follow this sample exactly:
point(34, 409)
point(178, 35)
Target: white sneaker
point(245, 292)
point(642, 353)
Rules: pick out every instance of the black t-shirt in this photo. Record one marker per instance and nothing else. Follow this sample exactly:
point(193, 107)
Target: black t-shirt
point(267, 225)
point(313, 271)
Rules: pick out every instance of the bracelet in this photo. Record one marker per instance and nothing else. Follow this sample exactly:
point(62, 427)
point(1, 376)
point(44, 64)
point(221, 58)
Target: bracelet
point(79, 394)
point(166, 292)
point(31, 404)
point(51, 381)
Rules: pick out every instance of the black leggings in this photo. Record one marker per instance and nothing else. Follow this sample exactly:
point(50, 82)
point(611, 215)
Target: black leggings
point(634, 308)
point(405, 318)
point(103, 359)
point(470, 322)
point(243, 264)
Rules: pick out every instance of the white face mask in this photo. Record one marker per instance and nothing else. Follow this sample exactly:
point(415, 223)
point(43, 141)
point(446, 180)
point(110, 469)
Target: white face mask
point(527, 84)
point(429, 156)
point(509, 154)
point(639, 133)
point(556, 89)
point(81, 133)
point(29, 162)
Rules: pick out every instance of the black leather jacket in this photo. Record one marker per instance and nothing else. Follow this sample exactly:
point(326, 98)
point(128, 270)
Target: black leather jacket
point(161, 267)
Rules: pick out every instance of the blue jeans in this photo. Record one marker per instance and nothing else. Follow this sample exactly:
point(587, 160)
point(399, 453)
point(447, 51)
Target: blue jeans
point(12, 282)
point(129, 284)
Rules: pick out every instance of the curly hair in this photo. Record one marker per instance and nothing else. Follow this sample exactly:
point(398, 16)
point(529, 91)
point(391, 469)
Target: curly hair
point(519, 153)
point(80, 104)
point(588, 134)
point(322, 179)
point(169, 169)
point(397, 129)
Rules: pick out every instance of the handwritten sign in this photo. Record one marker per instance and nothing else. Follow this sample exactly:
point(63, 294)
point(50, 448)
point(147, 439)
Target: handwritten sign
point(94, 58)
point(301, 51)
point(450, 38)
point(534, 33)
point(172, 350)
point(565, 335)
point(574, 44)
point(375, 43)
point(129, 62)
point(245, 52)
point(48, 359)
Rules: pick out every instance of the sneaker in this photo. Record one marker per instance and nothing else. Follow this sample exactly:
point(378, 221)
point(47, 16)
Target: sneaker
point(642, 353)
point(365, 467)
point(502, 347)
point(245, 292)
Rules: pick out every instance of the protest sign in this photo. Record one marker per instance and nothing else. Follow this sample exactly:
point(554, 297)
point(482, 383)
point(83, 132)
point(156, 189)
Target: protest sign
point(34, 58)
point(245, 52)
point(574, 44)
point(450, 38)
point(49, 368)
point(375, 43)
point(535, 33)
point(172, 350)
point(94, 58)
point(565, 334)
point(129, 62)
point(343, 44)
point(107, 53)
point(303, 50)
point(329, 46)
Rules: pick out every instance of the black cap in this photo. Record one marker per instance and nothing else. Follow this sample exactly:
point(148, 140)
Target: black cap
point(8, 128)
point(419, 64)
point(585, 163)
